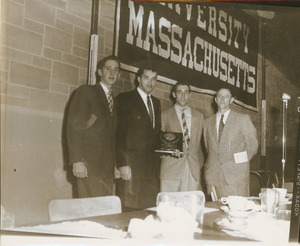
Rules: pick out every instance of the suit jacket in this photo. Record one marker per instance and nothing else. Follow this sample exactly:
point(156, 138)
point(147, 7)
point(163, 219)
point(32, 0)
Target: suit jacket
point(136, 140)
point(172, 168)
point(239, 134)
point(91, 131)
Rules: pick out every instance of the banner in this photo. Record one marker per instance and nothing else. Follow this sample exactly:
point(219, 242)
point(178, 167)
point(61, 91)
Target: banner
point(209, 46)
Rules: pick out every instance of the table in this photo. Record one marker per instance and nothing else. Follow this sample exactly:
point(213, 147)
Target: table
point(121, 221)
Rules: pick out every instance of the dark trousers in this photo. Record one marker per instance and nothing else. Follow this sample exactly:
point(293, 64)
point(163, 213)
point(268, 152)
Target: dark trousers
point(93, 186)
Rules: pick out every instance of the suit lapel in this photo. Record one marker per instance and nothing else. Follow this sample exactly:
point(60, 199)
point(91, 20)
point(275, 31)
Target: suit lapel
point(175, 120)
point(194, 126)
point(157, 113)
point(102, 97)
point(142, 107)
point(228, 125)
point(214, 127)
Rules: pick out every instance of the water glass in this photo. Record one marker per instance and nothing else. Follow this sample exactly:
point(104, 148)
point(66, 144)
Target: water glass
point(194, 204)
point(269, 200)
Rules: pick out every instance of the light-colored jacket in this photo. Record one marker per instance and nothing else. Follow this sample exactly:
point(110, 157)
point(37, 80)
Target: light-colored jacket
point(172, 168)
point(239, 134)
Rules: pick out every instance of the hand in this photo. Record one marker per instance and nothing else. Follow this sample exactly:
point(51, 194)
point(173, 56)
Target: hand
point(125, 172)
point(176, 154)
point(117, 173)
point(80, 170)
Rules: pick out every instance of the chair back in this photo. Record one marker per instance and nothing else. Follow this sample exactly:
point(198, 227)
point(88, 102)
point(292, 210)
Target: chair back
point(180, 195)
point(64, 209)
point(213, 194)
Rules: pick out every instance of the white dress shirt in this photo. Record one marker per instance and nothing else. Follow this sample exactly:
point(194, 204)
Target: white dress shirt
point(106, 90)
point(144, 97)
point(224, 119)
point(188, 117)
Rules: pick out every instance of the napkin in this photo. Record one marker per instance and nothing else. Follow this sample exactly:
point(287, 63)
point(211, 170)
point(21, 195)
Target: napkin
point(77, 228)
point(173, 223)
point(262, 227)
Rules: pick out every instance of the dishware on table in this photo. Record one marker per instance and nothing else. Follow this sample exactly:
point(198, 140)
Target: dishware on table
point(282, 193)
point(235, 203)
point(283, 214)
point(164, 202)
point(269, 200)
point(186, 206)
point(166, 199)
point(226, 224)
point(194, 204)
point(289, 195)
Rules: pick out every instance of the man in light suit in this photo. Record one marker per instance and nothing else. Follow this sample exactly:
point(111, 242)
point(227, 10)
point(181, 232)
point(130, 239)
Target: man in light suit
point(91, 125)
point(139, 121)
point(230, 140)
point(182, 173)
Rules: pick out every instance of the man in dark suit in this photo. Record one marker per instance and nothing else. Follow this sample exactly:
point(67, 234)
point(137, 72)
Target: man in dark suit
point(230, 140)
point(138, 127)
point(182, 173)
point(91, 128)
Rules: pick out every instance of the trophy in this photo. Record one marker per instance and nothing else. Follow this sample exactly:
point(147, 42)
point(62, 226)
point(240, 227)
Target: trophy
point(169, 142)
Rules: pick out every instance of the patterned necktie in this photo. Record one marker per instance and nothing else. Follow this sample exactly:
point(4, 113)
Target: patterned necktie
point(150, 108)
point(185, 128)
point(221, 126)
point(110, 103)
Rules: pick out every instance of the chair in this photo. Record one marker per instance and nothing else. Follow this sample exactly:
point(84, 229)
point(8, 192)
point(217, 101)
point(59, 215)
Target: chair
point(64, 209)
point(289, 186)
point(177, 196)
point(213, 194)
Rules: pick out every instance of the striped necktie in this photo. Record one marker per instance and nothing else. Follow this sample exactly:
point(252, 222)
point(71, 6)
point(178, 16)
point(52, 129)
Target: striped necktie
point(150, 108)
point(185, 128)
point(110, 102)
point(221, 126)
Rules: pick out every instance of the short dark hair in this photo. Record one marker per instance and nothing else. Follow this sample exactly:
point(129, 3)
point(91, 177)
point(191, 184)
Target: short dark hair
point(148, 66)
point(174, 88)
point(102, 62)
point(145, 66)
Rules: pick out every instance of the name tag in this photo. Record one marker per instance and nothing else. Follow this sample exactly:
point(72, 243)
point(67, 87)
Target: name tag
point(240, 157)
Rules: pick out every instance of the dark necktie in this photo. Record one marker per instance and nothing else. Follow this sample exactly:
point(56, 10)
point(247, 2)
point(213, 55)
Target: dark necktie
point(221, 126)
point(185, 128)
point(110, 102)
point(150, 108)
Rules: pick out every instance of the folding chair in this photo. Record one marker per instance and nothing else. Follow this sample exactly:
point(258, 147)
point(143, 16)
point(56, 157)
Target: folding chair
point(65, 209)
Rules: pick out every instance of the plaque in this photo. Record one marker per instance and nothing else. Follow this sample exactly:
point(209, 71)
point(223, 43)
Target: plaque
point(168, 142)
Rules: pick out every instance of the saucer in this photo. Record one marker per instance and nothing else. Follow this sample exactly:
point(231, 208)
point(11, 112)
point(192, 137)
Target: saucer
point(285, 201)
point(239, 214)
point(224, 208)
point(226, 224)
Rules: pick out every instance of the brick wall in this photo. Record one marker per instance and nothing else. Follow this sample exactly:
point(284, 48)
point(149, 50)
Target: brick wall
point(44, 57)
point(44, 51)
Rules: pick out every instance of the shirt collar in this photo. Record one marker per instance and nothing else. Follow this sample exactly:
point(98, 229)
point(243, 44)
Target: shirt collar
point(178, 108)
point(106, 90)
point(225, 115)
point(142, 93)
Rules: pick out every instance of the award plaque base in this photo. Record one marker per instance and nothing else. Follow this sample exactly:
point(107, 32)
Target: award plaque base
point(169, 142)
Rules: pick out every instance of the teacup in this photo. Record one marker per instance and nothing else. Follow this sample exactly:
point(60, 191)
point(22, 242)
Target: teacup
point(235, 203)
point(282, 193)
